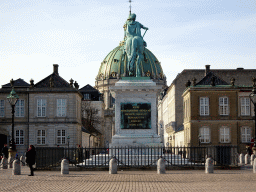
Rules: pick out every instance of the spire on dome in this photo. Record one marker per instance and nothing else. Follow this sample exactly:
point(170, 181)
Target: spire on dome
point(130, 7)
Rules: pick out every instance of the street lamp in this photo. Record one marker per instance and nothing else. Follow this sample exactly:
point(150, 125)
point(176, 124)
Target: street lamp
point(68, 138)
point(12, 98)
point(199, 139)
point(253, 100)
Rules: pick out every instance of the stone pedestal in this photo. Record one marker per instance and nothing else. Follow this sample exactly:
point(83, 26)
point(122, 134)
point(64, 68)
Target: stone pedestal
point(16, 167)
point(64, 166)
point(160, 166)
point(135, 113)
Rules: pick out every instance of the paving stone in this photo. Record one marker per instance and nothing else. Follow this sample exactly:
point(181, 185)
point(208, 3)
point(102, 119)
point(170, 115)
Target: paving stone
point(173, 180)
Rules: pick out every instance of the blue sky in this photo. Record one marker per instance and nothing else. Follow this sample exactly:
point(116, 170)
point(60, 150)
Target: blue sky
point(78, 34)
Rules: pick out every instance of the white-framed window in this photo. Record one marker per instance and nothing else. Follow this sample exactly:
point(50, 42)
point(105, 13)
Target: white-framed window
point(61, 136)
point(245, 106)
point(1, 108)
point(41, 107)
point(61, 107)
point(41, 137)
point(87, 96)
point(204, 106)
point(19, 137)
point(205, 134)
point(20, 108)
point(246, 134)
point(225, 134)
point(223, 106)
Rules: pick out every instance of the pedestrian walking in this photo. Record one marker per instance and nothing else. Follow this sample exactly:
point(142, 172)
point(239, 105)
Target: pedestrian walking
point(31, 158)
point(5, 151)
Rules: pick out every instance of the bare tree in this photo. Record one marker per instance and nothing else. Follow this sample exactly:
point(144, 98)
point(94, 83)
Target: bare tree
point(90, 118)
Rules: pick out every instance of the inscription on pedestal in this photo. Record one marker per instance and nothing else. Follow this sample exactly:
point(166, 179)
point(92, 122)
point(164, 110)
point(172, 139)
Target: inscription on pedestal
point(135, 116)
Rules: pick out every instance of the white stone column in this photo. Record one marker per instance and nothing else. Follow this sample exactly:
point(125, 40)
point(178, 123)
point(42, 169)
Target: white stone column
point(209, 167)
point(113, 166)
point(241, 159)
point(10, 161)
point(247, 159)
point(4, 163)
point(254, 166)
point(64, 166)
point(16, 167)
point(160, 166)
point(252, 159)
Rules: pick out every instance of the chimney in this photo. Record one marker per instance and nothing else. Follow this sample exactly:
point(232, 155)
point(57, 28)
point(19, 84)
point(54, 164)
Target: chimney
point(55, 68)
point(207, 69)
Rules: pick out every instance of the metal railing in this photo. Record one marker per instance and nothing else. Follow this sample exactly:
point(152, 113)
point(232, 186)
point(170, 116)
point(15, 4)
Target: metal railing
point(48, 157)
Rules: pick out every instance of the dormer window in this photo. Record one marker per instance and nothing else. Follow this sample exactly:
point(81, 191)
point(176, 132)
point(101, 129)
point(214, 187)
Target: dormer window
point(87, 96)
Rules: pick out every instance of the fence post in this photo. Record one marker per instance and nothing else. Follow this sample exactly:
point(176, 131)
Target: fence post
point(252, 158)
point(160, 166)
point(113, 166)
point(64, 166)
point(209, 167)
point(4, 163)
point(16, 167)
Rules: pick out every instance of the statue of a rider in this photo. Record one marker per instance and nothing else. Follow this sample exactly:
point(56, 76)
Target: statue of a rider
point(134, 45)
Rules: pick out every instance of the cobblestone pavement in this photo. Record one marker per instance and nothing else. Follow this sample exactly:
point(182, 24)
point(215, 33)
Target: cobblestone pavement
point(185, 180)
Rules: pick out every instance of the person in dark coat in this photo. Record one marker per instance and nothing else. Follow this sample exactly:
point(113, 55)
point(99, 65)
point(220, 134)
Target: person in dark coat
point(31, 158)
point(5, 151)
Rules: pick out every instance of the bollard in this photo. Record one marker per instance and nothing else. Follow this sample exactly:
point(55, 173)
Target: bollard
point(16, 167)
point(10, 161)
point(64, 166)
point(254, 166)
point(4, 163)
point(113, 166)
point(22, 163)
point(241, 159)
point(209, 167)
point(160, 166)
point(247, 159)
point(252, 158)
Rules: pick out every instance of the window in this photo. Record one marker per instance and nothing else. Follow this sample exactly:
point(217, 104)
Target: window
point(1, 108)
point(224, 134)
point(40, 137)
point(19, 137)
point(61, 107)
point(223, 106)
point(41, 107)
point(19, 108)
point(87, 96)
point(204, 106)
point(112, 101)
point(245, 106)
point(246, 134)
point(205, 134)
point(61, 136)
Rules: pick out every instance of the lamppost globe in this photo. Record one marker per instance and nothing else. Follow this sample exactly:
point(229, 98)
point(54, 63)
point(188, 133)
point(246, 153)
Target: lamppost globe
point(13, 97)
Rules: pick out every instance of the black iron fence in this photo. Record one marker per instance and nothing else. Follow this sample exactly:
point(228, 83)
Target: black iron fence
point(48, 157)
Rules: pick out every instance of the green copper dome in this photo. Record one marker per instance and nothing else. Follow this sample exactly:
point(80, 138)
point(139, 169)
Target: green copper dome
point(113, 66)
